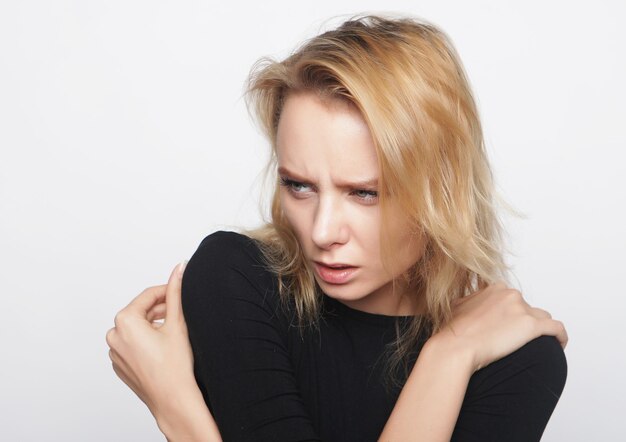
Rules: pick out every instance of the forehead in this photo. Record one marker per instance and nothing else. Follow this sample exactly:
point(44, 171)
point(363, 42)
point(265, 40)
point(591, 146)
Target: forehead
point(316, 133)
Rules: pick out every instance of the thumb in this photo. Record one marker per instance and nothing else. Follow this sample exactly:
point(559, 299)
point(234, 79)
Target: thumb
point(173, 293)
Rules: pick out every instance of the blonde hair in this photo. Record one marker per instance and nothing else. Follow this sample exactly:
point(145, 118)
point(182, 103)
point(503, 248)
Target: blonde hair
point(406, 79)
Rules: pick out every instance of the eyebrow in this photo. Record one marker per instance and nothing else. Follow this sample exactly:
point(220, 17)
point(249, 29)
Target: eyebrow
point(373, 182)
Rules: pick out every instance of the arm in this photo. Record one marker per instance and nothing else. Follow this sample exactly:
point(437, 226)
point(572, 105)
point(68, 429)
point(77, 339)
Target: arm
point(238, 340)
point(431, 398)
point(187, 418)
point(232, 372)
point(488, 326)
point(155, 360)
point(237, 333)
point(513, 398)
point(435, 395)
point(485, 329)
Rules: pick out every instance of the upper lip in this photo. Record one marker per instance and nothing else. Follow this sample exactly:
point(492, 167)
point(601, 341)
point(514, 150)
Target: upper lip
point(334, 264)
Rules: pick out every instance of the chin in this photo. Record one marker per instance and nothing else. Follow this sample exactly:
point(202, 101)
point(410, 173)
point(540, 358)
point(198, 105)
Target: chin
point(342, 292)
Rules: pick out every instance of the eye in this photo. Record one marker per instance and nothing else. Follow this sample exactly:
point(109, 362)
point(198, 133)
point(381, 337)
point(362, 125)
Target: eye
point(368, 196)
point(294, 187)
point(300, 190)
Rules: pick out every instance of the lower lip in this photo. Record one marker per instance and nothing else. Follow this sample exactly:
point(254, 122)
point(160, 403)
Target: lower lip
point(335, 276)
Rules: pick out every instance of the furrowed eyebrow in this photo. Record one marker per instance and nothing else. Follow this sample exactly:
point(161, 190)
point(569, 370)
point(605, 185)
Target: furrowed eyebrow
point(373, 182)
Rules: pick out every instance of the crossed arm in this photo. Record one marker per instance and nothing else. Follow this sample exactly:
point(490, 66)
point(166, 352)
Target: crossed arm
point(432, 401)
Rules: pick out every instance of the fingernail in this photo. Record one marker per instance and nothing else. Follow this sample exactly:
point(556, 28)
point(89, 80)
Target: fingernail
point(181, 268)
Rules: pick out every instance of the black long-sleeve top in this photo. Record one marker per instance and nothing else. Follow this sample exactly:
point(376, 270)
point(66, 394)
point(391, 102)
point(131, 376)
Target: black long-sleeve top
point(265, 381)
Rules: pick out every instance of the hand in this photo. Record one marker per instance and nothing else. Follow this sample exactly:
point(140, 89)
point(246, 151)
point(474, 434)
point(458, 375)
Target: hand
point(155, 359)
point(494, 322)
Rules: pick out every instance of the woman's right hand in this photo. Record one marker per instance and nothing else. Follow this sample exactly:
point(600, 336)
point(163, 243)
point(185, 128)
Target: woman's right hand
point(494, 322)
point(156, 361)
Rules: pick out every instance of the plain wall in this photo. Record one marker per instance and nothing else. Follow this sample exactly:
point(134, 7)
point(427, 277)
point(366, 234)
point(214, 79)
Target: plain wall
point(124, 141)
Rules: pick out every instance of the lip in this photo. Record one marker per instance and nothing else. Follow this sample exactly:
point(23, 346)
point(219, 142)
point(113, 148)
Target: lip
point(334, 264)
point(333, 275)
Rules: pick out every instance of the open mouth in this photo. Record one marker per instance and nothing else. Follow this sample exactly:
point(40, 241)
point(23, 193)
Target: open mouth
point(337, 274)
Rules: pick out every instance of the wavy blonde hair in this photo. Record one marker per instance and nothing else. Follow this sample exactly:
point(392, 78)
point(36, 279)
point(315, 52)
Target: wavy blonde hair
point(406, 79)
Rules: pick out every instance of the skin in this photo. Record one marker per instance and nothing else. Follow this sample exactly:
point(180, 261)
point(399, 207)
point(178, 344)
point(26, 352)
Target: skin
point(325, 150)
point(326, 143)
point(156, 362)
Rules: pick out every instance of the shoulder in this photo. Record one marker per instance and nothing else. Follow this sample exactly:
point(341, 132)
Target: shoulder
point(513, 398)
point(227, 266)
point(227, 246)
point(224, 250)
point(540, 366)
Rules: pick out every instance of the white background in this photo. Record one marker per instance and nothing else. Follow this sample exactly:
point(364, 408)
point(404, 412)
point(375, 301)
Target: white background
point(124, 141)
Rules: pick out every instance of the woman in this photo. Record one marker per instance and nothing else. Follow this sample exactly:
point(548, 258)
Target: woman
point(372, 305)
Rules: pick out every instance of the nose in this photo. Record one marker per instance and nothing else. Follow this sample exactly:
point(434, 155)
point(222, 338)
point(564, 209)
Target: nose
point(329, 226)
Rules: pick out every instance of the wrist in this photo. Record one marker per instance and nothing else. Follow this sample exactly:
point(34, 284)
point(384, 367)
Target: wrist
point(445, 344)
point(186, 417)
point(429, 402)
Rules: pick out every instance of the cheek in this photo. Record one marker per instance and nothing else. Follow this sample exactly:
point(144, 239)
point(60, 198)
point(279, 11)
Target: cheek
point(365, 225)
point(296, 215)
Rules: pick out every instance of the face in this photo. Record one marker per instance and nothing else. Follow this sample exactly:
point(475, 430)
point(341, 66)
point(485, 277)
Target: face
point(328, 173)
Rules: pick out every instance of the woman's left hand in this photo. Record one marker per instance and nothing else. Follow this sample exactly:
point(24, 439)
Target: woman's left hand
point(154, 359)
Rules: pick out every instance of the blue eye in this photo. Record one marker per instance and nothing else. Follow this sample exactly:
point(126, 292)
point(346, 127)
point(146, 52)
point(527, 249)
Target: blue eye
point(293, 186)
point(299, 190)
point(368, 196)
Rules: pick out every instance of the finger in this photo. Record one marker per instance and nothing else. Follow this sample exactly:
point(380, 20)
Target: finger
point(556, 329)
point(120, 364)
point(120, 374)
point(562, 336)
point(116, 358)
point(173, 293)
point(157, 324)
point(111, 337)
point(156, 312)
point(540, 313)
point(146, 299)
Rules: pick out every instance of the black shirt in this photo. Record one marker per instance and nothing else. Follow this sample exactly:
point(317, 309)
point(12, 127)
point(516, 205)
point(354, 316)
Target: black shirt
point(264, 381)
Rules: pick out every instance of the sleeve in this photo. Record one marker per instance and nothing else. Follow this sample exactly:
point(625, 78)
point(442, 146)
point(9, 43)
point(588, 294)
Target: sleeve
point(241, 359)
point(513, 398)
